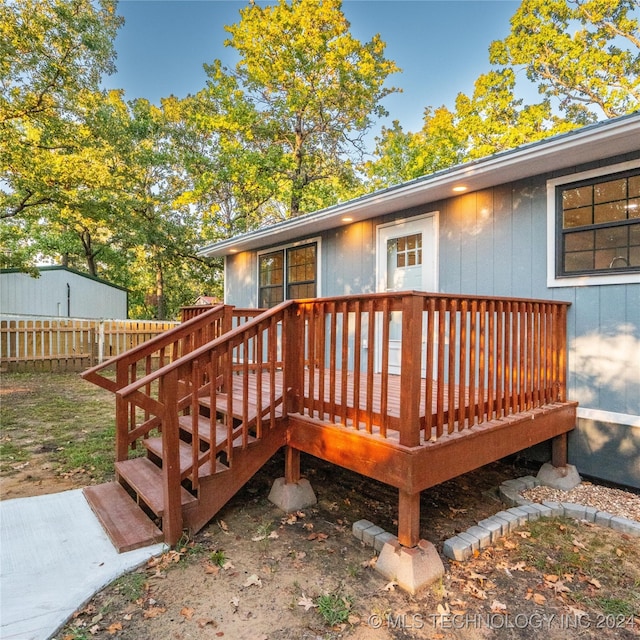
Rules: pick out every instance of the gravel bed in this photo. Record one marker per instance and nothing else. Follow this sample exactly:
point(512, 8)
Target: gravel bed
point(614, 501)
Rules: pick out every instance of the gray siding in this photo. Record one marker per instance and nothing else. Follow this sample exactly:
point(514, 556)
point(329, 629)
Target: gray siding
point(49, 295)
point(493, 242)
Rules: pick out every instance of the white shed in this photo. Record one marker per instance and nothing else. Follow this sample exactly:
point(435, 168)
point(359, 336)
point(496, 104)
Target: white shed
point(60, 291)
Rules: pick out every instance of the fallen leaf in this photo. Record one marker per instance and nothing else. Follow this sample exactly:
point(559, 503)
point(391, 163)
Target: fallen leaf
point(498, 607)
point(390, 586)
point(538, 598)
point(187, 612)
point(219, 634)
point(306, 602)
point(551, 577)
point(153, 612)
point(290, 519)
point(595, 582)
point(274, 535)
point(510, 545)
point(576, 543)
point(524, 534)
point(228, 565)
point(475, 592)
point(519, 566)
point(369, 563)
point(92, 630)
point(619, 553)
point(443, 610)
point(203, 622)
point(308, 526)
point(211, 568)
point(253, 579)
point(477, 576)
point(223, 525)
point(578, 613)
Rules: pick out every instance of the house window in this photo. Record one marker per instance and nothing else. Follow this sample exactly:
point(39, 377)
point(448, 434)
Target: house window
point(599, 223)
point(288, 273)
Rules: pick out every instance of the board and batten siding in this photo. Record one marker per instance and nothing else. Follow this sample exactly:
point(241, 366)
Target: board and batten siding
point(494, 242)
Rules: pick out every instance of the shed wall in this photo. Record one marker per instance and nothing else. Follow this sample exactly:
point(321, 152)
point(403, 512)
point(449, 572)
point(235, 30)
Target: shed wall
point(49, 295)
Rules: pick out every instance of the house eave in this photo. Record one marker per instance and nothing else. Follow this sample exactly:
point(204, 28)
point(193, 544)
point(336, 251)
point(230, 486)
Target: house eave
point(588, 144)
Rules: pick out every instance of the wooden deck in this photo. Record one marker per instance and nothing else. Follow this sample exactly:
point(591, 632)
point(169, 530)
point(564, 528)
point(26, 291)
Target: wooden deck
point(213, 400)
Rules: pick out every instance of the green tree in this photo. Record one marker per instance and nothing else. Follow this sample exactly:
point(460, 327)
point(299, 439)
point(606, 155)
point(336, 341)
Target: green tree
point(314, 92)
point(52, 56)
point(586, 53)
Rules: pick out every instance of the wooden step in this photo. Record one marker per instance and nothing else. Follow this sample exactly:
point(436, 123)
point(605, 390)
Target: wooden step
point(126, 524)
point(222, 404)
point(204, 432)
point(154, 446)
point(145, 478)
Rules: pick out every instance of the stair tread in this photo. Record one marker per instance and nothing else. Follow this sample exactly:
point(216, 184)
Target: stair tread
point(154, 445)
point(145, 478)
point(221, 406)
point(126, 524)
point(204, 431)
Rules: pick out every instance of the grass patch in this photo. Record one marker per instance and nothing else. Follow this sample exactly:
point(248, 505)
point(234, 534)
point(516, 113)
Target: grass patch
point(60, 416)
point(599, 566)
point(334, 608)
point(131, 586)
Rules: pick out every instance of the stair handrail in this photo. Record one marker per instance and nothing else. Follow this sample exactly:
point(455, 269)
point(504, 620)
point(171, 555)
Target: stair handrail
point(229, 336)
point(150, 346)
point(169, 403)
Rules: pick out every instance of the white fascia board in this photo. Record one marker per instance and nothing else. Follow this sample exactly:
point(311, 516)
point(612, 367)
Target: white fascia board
point(589, 144)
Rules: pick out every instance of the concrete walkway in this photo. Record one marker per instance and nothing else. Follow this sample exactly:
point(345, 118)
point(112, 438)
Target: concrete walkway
point(54, 556)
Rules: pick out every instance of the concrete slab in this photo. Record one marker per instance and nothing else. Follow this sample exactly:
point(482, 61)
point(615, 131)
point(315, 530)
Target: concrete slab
point(54, 556)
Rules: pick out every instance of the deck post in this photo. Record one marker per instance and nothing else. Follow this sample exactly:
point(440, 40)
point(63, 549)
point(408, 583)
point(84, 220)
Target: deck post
point(411, 363)
point(291, 465)
point(172, 519)
point(293, 339)
point(559, 451)
point(122, 413)
point(408, 518)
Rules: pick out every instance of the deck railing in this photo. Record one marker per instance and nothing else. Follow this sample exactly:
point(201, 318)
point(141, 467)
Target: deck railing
point(427, 365)
point(212, 322)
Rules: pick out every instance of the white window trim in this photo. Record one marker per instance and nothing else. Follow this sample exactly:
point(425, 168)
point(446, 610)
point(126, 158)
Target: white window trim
point(552, 220)
point(608, 417)
point(284, 247)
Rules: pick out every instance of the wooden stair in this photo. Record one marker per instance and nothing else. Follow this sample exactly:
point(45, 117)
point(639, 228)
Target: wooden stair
point(127, 526)
point(126, 508)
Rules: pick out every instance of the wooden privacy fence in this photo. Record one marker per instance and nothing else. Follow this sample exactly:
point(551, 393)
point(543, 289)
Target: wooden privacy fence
point(69, 344)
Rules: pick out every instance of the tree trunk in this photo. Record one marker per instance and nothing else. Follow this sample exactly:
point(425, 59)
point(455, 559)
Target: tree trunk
point(160, 310)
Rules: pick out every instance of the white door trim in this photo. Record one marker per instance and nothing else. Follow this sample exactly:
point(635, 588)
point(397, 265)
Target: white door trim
point(407, 226)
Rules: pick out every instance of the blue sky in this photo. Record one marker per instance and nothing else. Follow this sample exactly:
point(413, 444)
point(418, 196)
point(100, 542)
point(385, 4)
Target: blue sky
point(440, 45)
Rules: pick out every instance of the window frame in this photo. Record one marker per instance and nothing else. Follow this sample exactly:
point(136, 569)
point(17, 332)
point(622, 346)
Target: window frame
point(555, 230)
point(284, 249)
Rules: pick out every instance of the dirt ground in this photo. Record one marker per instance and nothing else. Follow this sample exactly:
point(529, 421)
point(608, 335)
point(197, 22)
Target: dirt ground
point(255, 573)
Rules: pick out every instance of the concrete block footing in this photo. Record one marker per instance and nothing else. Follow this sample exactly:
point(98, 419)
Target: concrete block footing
point(412, 568)
point(293, 496)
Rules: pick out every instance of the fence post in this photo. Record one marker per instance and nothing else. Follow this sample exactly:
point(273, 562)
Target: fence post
point(100, 341)
point(293, 378)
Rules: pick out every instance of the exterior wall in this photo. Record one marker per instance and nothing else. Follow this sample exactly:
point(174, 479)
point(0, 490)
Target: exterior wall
point(494, 242)
point(48, 295)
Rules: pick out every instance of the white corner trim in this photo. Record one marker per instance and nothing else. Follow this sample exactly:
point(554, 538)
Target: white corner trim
point(585, 280)
point(610, 417)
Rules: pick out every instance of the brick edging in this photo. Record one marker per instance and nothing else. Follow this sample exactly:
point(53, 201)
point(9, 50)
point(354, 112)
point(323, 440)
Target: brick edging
point(463, 545)
point(486, 532)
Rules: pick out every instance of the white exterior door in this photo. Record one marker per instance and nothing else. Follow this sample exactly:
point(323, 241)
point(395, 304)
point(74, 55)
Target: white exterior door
point(407, 259)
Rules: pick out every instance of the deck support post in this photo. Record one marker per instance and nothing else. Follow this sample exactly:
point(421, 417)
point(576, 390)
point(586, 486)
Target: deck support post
point(291, 465)
point(292, 492)
point(408, 518)
point(559, 452)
